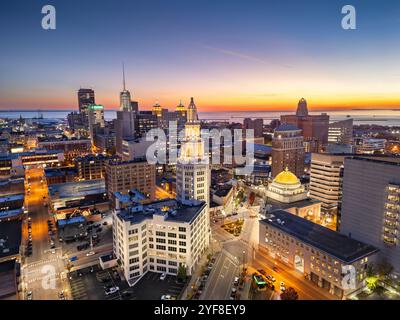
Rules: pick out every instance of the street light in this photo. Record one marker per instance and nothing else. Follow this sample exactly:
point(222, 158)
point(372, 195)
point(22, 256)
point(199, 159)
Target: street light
point(244, 257)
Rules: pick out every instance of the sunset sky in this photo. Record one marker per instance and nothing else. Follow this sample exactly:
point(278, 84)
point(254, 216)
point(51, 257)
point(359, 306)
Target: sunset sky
point(229, 55)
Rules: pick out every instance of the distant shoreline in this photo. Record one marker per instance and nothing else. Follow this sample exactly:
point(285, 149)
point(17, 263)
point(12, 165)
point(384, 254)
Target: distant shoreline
point(225, 111)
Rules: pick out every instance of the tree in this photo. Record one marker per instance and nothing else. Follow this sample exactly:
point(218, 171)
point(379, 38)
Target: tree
point(384, 270)
point(182, 273)
point(289, 294)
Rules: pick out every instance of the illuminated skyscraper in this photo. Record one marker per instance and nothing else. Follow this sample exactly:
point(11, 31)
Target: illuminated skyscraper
point(85, 98)
point(125, 95)
point(192, 169)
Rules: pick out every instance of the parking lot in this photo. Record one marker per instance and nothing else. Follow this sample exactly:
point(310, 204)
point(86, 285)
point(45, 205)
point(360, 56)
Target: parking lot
point(150, 287)
point(89, 284)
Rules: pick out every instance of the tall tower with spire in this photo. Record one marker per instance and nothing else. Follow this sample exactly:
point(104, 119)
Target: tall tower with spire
point(302, 110)
point(192, 169)
point(125, 95)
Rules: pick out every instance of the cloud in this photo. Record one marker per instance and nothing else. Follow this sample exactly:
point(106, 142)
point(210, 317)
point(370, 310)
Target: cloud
point(240, 55)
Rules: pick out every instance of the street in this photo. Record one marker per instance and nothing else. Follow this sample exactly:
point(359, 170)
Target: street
point(43, 272)
point(243, 250)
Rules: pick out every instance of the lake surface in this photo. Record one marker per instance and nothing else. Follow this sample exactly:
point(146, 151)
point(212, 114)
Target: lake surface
point(379, 117)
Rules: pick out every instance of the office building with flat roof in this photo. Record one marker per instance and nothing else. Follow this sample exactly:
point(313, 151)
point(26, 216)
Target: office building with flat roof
point(162, 236)
point(371, 204)
point(123, 176)
point(322, 255)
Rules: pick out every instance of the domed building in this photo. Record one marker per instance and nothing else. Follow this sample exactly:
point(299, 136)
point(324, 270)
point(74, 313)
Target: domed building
point(286, 188)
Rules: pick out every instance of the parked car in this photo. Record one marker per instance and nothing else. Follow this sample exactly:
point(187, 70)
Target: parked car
point(262, 271)
point(167, 297)
point(163, 276)
point(282, 286)
point(61, 295)
point(270, 278)
point(29, 295)
point(111, 290)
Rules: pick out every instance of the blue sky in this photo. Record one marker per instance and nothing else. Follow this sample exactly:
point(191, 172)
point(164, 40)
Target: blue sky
point(229, 54)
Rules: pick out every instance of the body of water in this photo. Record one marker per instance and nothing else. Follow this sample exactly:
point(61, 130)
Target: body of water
point(379, 117)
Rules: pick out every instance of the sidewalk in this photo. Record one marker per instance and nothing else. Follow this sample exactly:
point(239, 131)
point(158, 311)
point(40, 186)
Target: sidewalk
point(213, 250)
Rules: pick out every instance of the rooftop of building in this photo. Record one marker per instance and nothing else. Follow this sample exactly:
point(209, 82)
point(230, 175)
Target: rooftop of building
point(92, 157)
point(277, 205)
point(60, 171)
point(10, 214)
point(171, 209)
point(286, 177)
point(10, 237)
point(331, 242)
point(12, 197)
point(132, 196)
point(118, 162)
point(61, 139)
point(223, 191)
point(393, 161)
point(79, 188)
point(287, 127)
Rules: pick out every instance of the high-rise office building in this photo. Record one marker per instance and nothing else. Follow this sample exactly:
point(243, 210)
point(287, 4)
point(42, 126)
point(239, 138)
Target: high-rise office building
point(126, 126)
point(371, 204)
point(181, 116)
point(95, 118)
point(326, 179)
point(166, 235)
point(125, 95)
point(257, 125)
point(314, 127)
point(192, 169)
point(124, 176)
point(146, 121)
point(287, 150)
point(341, 132)
point(85, 98)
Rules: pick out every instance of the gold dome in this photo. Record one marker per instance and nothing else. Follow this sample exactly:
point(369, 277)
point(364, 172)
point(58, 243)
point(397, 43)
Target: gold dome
point(286, 177)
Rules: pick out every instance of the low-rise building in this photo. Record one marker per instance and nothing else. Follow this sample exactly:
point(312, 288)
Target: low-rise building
point(92, 166)
point(56, 175)
point(67, 198)
point(371, 146)
point(72, 148)
point(329, 259)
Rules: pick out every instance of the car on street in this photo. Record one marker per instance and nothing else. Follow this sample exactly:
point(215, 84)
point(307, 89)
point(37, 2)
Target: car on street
point(90, 253)
point(236, 281)
point(61, 296)
point(270, 278)
point(29, 295)
point(282, 286)
point(262, 271)
point(111, 290)
point(163, 276)
point(167, 297)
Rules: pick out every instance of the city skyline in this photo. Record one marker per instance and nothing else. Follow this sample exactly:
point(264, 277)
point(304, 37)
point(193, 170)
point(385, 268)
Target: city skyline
point(260, 57)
